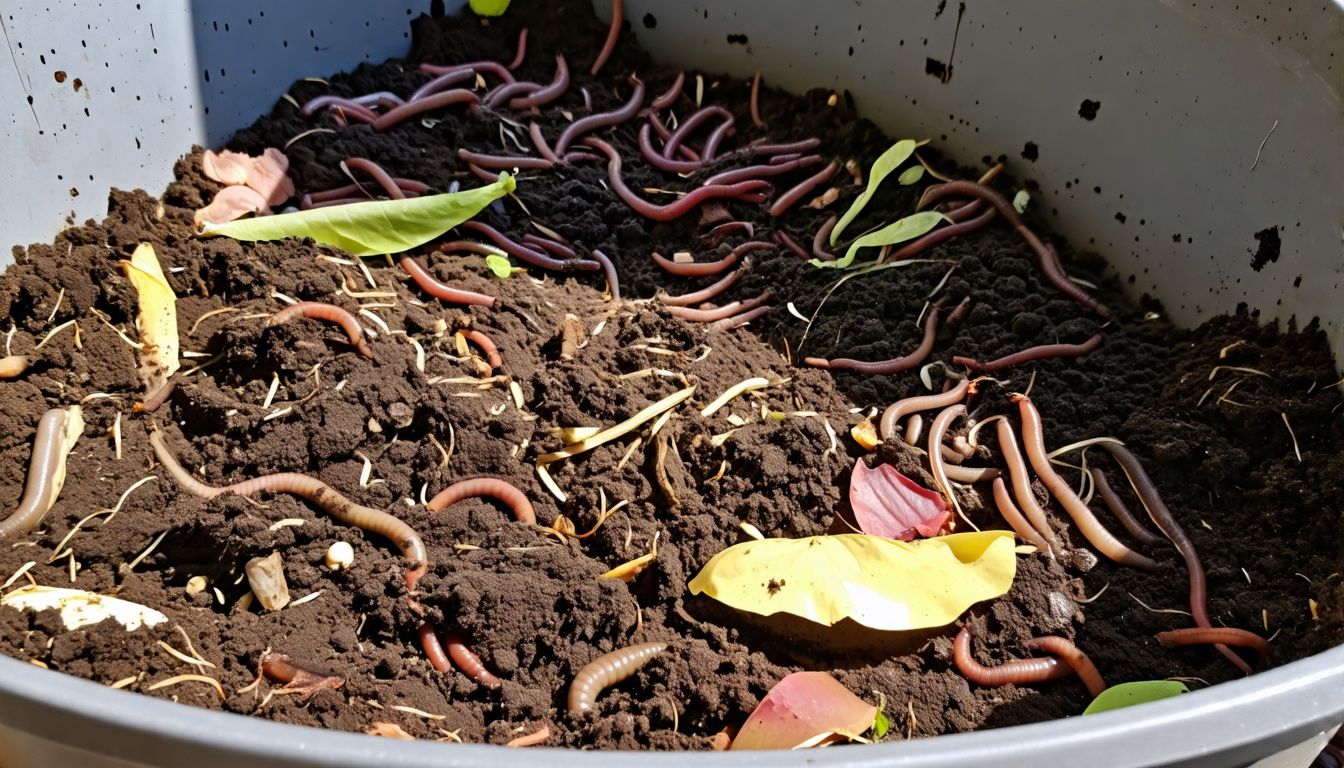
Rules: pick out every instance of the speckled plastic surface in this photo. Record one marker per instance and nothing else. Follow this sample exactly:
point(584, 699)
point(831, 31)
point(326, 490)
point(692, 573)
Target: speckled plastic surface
point(1164, 135)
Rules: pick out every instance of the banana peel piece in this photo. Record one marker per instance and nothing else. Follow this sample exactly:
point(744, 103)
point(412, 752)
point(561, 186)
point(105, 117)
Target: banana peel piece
point(157, 320)
point(80, 608)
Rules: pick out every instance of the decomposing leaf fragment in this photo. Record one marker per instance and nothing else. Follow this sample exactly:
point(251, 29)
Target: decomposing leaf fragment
point(887, 503)
point(80, 608)
point(157, 318)
point(803, 710)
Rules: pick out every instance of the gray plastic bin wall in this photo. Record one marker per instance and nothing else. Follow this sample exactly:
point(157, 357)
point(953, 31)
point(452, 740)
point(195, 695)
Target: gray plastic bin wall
point(1215, 121)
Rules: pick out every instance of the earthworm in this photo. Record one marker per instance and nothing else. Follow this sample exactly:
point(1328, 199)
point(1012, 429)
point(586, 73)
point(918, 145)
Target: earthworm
point(427, 104)
point(963, 212)
point(13, 366)
point(937, 431)
point(822, 239)
point(702, 295)
point(1073, 656)
point(1117, 506)
point(1040, 352)
point(457, 246)
point(154, 401)
point(522, 50)
point(1013, 515)
point(756, 101)
point(1034, 442)
point(748, 191)
point(486, 176)
point(461, 655)
point(531, 256)
point(587, 99)
point(579, 156)
point(442, 82)
point(491, 67)
point(970, 475)
point(532, 739)
point(715, 139)
point(382, 99)
point(539, 141)
point(721, 232)
point(777, 159)
point(39, 492)
point(784, 239)
point(727, 310)
point(493, 487)
point(787, 200)
point(343, 111)
point(440, 290)
point(1173, 638)
point(882, 367)
point(617, 18)
point(1018, 672)
point(325, 102)
point(664, 134)
point(546, 94)
point(1166, 522)
point(407, 186)
point(695, 268)
point(737, 321)
point(297, 677)
point(379, 175)
point(609, 270)
point(586, 125)
point(894, 412)
point(487, 346)
point(762, 171)
point(957, 315)
point(505, 162)
point(1017, 470)
point(1048, 266)
point(319, 310)
point(688, 126)
point(549, 245)
point(505, 93)
point(607, 670)
point(319, 493)
point(766, 149)
point(670, 96)
point(930, 239)
point(914, 427)
point(655, 158)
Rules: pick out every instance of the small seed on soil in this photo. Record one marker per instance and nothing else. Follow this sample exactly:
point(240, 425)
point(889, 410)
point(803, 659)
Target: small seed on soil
point(865, 434)
point(196, 585)
point(339, 556)
point(266, 576)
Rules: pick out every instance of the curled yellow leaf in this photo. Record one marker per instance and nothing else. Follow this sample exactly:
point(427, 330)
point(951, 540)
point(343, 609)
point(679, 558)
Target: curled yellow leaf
point(157, 319)
point(627, 571)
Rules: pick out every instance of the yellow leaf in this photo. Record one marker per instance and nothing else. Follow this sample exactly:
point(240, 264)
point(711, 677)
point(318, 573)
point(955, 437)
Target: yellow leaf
point(157, 319)
point(80, 608)
point(629, 570)
point(877, 582)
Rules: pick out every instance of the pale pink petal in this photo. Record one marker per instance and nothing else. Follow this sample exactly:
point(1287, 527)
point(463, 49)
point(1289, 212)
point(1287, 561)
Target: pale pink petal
point(800, 708)
point(269, 178)
point(278, 157)
point(226, 167)
point(232, 203)
point(887, 503)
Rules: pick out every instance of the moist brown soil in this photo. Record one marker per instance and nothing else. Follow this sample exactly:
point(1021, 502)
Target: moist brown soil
point(1215, 440)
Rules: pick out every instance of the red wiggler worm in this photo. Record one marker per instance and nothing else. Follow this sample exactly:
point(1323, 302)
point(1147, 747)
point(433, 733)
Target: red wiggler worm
point(317, 310)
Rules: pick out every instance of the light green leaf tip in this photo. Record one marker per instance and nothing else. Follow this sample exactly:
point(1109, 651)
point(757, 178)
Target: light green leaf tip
point(880, 725)
point(899, 231)
point(1129, 694)
point(488, 7)
point(499, 265)
point(1020, 200)
point(910, 175)
point(884, 165)
point(367, 229)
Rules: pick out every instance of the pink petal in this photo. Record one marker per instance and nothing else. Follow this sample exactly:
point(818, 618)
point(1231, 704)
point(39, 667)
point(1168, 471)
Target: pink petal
point(800, 708)
point(887, 503)
point(226, 167)
point(268, 177)
point(232, 203)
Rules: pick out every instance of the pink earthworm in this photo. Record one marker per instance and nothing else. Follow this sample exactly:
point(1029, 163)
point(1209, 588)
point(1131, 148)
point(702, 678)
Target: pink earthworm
point(587, 99)
point(539, 141)
point(532, 739)
point(550, 246)
point(777, 159)
point(897, 410)
point(1174, 638)
point(383, 99)
point(822, 238)
point(464, 658)
point(1074, 657)
point(503, 94)
point(586, 125)
point(655, 158)
point(721, 232)
point(467, 246)
point(762, 171)
point(937, 431)
point(546, 94)
point(479, 67)
point(726, 311)
point(1032, 354)
point(1045, 260)
point(670, 96)
point(607, 670)
point(522, 50)
point(789, 199)
point(379, 175)
point(493, 487)
point(963, 212)
point(504, 162)
point(489, 177)
point(613, 33)
point(408, 187)
point(959, 313)
point(702, 295)
point(317, 310)
point(344, 112)
point(1117, 506)
point(442, 82)
point(756, 101)
point(764, 149)
point(609, 271)
point(440, 290)
point(42, 485)
point(786, 240)
point(942, 234)
point(748, 191)
point(427, 104)
point(695, 268)
point(326, 102)
point(664, 134)
point(531, 256)
point(1026, 497)
point(737, 321)
point(688, 126)
point(487, 346)
point(715, 139)
point(1013, 515)
point(319, 493)
point(1018, 672)
point(883, 367)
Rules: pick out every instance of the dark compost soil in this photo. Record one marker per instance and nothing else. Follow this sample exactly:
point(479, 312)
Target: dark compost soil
point(1266, 522)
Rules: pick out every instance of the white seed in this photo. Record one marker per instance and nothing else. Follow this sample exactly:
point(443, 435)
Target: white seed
point(196, 585)
point(266, 576)
point(339, 556)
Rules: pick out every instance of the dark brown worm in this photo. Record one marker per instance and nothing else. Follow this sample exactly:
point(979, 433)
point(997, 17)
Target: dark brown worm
point(1049, 267)
point(670, 96)
point(440, 290)
point(765, 149)
point(323, 496)
point(1173, 638)
point(479, 67)
point(42, 485)
point(690, 124)
point(384, 99)
point(493, 487)
point(505, 162)
point(747, 191)
point(1031, 354)
point(539, 141)
point(507, 92)
point(318, 310)
point(550, 246)
point(786, 240)
point(487, 346)
point(727, 310)
point(617, 19)
point(607, 670)
point(899, 409)
point(1166, 522)
point(461, 655)
point(762, 171)
point(883, 367)
point(531, 256)
point(1026, 497)
point(546, 94)
point(664, 134)
point(756, 101)
point(442, 83)
point(1019, 672)
point(586, 125)
point(609, 270)
point(1073, 656)
point(428, 104)
point(942, 234)
point(1013, 515)
point(721, 232)
point(1117, 506)
point(737, 321)
point(702, 295)
point(1033, 440)
point(154, 401)
point(379, 175)
point(459, 246)
point(522, 50)
point(964, 212)
point(822, 240)
point(789, 199)
point(957, 315)
point(655, 158)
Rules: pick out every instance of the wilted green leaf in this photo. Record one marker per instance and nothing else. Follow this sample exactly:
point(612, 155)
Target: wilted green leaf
point(499, 265)
point(366, 229)
point(911, 175)
point(884, 165)
point(488, 7)
point(899, 231)
point(1020, 200)
point(1129, 694)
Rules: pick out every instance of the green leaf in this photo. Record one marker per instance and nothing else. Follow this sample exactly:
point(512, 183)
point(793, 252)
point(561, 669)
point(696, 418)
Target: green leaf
point(499, 265)
point(911, 175)
point(1129, 694)
point(880, 725)
point(488, 7)
point(366, 229)
point(899, 231)
point(1020, 200)
point(888, 162)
